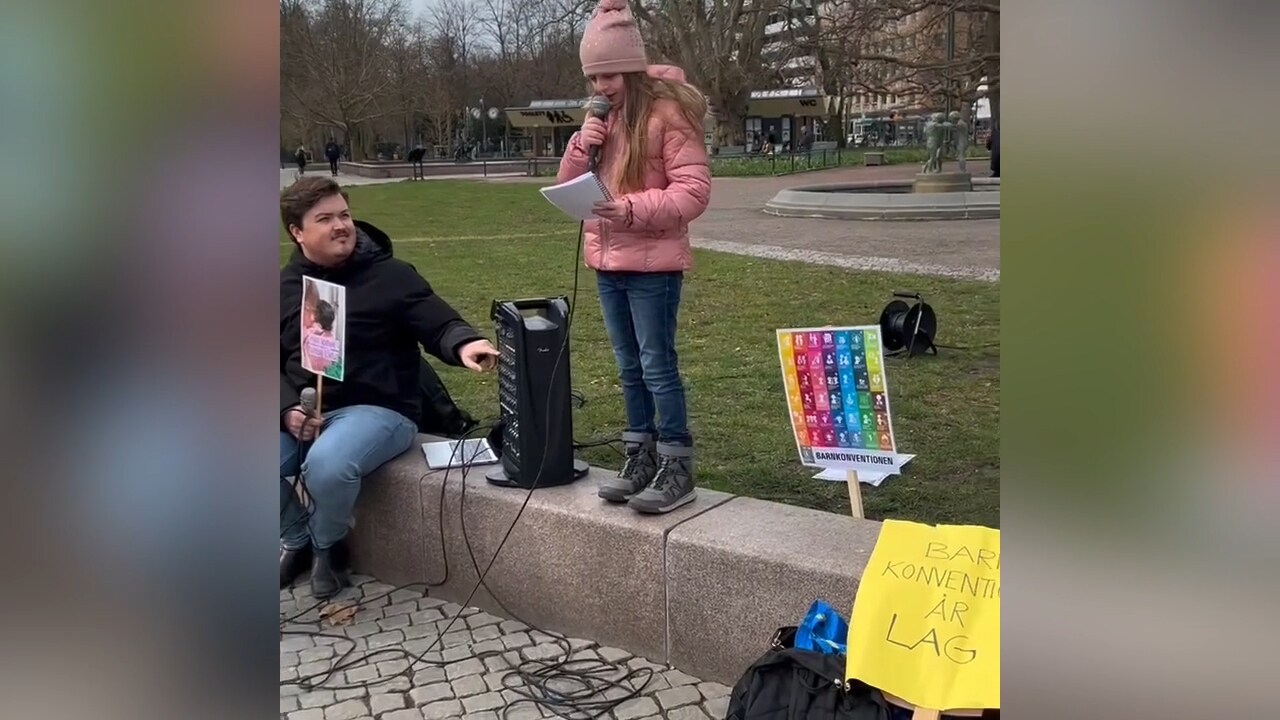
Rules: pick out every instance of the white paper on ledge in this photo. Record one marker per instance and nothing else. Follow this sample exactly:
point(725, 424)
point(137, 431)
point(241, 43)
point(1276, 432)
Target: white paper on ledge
point(864, 476)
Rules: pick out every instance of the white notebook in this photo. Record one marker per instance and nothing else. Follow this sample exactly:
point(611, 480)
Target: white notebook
point(576, 197)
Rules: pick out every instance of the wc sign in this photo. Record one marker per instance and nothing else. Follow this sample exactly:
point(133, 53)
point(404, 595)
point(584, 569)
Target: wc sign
point(555, 117)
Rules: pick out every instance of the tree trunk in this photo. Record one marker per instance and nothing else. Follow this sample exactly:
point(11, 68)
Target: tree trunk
point(729, 128)
point(993, 69)
point(831, 88)
point(359, 152)
point(732, 114)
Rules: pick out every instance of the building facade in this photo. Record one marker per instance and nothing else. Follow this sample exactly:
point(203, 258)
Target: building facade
point(543, 128)
point(881, 104)
point(783, 114)
point(879, 100)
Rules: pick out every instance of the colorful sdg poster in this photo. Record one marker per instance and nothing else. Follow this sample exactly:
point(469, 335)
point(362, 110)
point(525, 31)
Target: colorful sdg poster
point(839, 398)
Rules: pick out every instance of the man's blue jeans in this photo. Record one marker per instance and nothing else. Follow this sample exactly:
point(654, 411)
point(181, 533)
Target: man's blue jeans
point(353, 442)
point(640, 315)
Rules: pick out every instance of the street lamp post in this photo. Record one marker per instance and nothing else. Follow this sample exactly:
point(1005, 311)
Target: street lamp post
point(493, 113)
point(948, 79)
point(475, 115)
point(951, 54)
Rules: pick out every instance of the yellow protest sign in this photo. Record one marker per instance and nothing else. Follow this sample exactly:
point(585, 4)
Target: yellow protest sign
point(926, 619)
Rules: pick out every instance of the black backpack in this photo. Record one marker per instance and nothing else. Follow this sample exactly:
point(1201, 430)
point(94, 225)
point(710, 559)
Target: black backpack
point(440, 415)
point(790, 684)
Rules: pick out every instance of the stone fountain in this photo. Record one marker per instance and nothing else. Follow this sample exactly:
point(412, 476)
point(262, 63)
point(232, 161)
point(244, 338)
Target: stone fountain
point(932, 195)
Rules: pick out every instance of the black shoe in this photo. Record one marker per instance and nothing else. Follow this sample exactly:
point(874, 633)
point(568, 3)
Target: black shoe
point(340, 558)
point(292, 563)
point(326, 579)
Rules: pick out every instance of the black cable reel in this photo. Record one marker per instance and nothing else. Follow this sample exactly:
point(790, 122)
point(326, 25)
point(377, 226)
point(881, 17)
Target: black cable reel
point(909, 328)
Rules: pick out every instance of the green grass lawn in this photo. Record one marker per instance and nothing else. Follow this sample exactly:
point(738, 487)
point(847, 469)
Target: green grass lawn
point(478, 241)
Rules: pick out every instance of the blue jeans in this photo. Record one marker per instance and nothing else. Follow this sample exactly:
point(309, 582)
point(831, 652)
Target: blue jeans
point(353, 442)
point(640, 316)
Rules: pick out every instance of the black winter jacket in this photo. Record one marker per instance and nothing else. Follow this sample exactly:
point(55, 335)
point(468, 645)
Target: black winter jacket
point(391, 310)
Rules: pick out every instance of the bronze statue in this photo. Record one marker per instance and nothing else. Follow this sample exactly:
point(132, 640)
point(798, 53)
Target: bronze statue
point(934, 129)
point(960, 134)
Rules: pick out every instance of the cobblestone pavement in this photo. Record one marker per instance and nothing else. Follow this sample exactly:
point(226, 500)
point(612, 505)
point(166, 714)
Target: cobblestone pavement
point(463, 676)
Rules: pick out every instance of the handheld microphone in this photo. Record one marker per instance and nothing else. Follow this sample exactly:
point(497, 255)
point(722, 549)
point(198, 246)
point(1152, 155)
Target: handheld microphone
point(598, 107)
point(307, 399)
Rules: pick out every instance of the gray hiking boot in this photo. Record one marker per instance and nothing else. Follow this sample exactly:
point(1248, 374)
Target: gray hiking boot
point(672, 486)
point(637, 471)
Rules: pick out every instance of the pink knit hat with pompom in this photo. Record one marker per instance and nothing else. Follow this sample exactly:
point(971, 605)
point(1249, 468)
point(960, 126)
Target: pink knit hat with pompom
point(612, 42)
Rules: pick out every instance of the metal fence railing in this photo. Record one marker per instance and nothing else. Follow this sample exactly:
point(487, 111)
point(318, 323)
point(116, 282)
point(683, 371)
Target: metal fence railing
point(723, 165)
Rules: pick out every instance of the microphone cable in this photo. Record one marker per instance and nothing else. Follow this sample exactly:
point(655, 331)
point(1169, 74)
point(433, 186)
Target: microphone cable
point(318, 680)
point(570, 688)
point(586, 678)
point(298, 484)
point(588, 675)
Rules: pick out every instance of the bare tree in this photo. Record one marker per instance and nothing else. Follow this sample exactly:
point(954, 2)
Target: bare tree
point(359, 68)
point(334, 61)
point(824, 34)
point(451, 54)
point(403, 69)
point(507, 23)
point(718, 43)
point(939, 50)
point(549, 66)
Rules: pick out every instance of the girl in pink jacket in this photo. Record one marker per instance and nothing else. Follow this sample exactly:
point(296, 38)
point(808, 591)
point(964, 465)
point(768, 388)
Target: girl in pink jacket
point(653, 161)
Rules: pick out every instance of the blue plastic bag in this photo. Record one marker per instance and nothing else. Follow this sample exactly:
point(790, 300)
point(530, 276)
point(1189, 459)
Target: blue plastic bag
point(823, 630)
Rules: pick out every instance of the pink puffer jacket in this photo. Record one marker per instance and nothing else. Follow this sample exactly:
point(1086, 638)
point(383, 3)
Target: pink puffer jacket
point(678, 188)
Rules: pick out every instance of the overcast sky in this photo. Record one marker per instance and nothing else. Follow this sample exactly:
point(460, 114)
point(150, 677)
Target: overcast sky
point(418, 8)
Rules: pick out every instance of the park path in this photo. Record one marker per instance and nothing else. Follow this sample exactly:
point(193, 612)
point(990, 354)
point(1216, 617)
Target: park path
point(736, 223)
point(290, 174)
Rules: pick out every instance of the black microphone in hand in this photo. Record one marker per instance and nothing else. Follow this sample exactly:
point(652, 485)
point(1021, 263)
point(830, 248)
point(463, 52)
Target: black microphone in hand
point(598, 107)
point(307, 400)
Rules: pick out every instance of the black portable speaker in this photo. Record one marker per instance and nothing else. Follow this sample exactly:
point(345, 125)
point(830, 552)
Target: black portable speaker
point(534, 394)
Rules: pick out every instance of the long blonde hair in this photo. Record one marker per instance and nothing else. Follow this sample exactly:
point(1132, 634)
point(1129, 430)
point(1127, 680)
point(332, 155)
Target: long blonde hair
point(642, 91)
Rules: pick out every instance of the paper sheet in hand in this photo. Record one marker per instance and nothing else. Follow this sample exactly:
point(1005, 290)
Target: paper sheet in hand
point(447, 454)
point(575, 197)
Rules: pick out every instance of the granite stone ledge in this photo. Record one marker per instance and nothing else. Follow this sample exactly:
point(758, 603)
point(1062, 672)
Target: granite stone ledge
point(738, 573)
point(574, 563)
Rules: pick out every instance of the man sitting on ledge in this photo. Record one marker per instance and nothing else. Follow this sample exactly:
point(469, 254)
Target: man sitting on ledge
point(365, 420)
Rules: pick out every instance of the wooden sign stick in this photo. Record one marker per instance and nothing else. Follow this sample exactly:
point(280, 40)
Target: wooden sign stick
point(924, 714)
point(855, 493)
point(319, 393)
